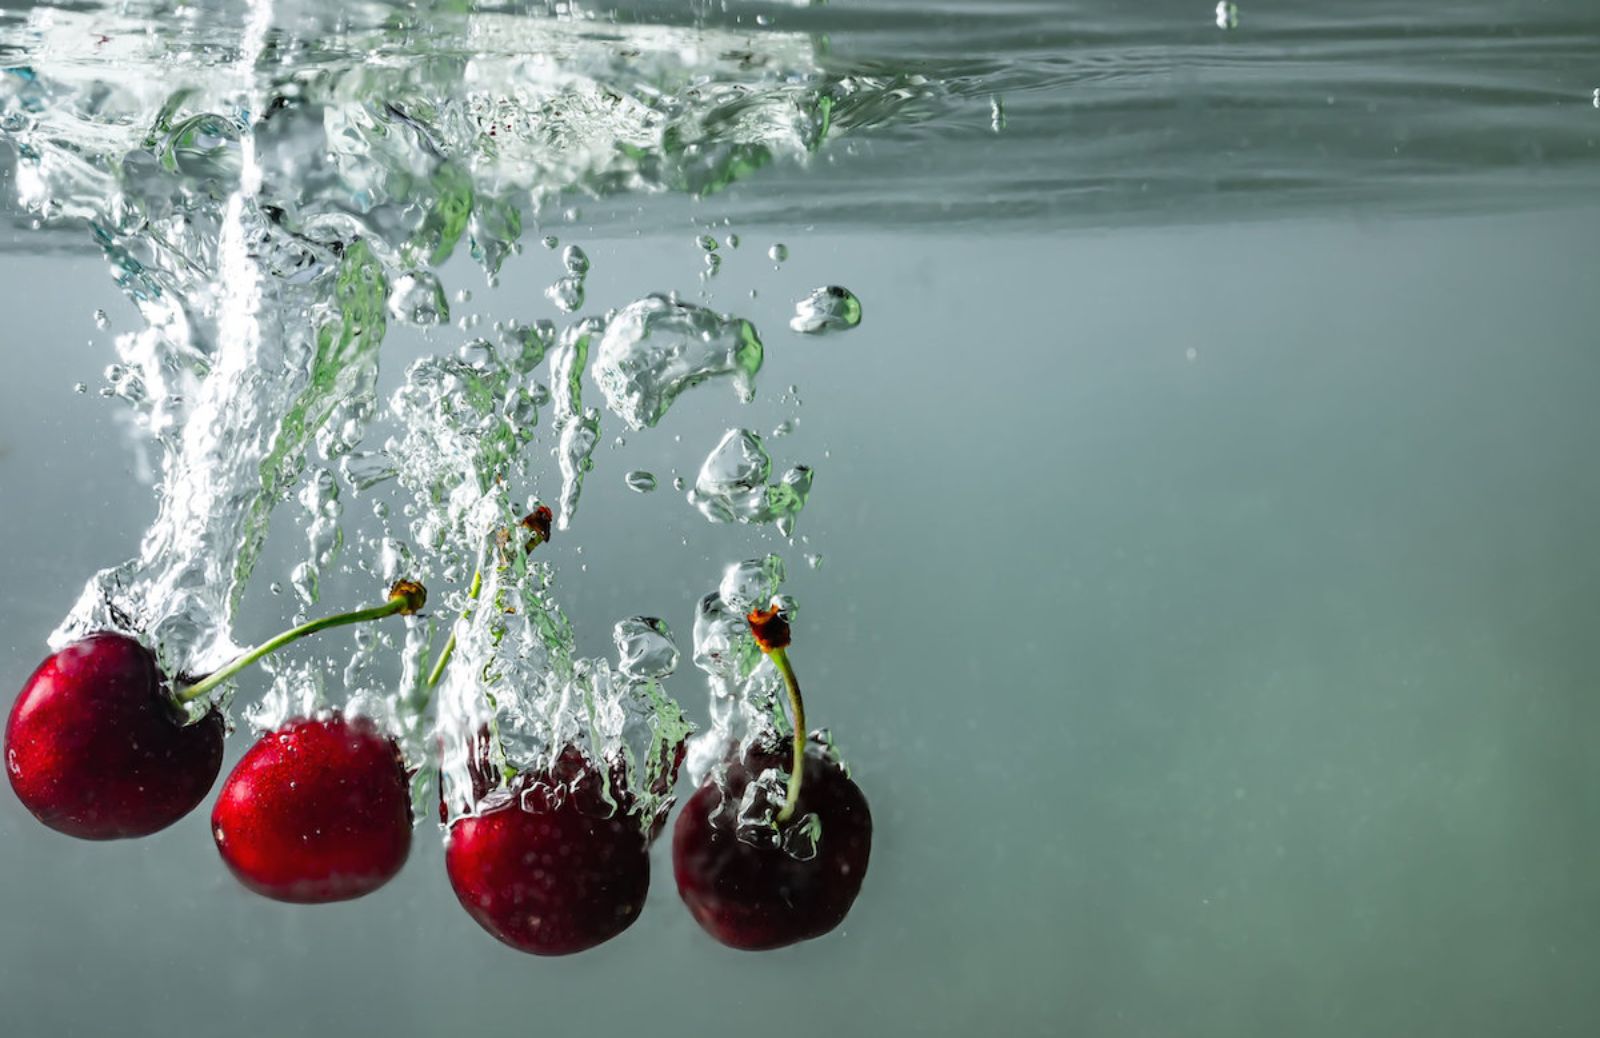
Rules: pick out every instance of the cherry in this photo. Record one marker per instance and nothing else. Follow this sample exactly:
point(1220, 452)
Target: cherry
point(316, 811)
point(770, 893)
point(548, 866)
point(97, 749)
point(761, 896)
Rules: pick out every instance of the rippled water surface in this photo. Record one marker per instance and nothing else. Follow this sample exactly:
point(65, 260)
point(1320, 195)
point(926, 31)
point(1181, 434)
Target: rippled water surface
point(1172, 423)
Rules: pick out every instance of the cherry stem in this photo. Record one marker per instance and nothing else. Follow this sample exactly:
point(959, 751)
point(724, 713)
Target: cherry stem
point(437, 673)
point(771, 632)
point(406, 598)
point(537, 523)
point(791, 799)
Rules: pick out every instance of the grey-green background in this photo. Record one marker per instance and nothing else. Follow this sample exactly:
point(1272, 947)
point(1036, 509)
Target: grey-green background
point(1247, 691)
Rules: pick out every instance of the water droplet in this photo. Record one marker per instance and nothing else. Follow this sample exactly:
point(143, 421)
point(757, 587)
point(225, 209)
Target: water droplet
point(640, 481)
point(828, 309)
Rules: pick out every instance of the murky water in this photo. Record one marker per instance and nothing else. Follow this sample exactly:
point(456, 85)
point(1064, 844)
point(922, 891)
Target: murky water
point(1199, 451)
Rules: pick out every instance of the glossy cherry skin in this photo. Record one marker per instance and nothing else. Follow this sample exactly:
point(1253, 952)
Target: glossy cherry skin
point(316, 811)
point(96, 748)
point(760, 897)
point(548, 870)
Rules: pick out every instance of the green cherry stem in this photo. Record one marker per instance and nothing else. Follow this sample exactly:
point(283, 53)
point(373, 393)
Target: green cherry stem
point(437, 673)
point(537, 523)
point(772, 633)
point(406, 598)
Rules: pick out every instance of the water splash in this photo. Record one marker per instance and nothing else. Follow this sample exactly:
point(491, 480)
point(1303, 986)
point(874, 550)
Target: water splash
point(272, 201)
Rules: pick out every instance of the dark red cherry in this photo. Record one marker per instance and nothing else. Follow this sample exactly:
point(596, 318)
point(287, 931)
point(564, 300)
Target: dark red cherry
point(759, 897)
point(96, 748)
point(548, 866)
point(319, 810)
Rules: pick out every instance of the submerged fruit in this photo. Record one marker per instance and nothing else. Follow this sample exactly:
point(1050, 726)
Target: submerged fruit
point(97, 749)
point(761, 896)
point(316, 811)
point(549, 866)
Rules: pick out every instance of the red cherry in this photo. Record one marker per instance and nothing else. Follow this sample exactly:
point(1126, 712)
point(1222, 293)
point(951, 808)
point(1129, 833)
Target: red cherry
point(319, 810)
point(96, 748)
point(759, 897)
point(548, 867)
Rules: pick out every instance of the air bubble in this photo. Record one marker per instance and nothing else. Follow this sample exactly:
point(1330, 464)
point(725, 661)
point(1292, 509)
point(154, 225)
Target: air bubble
point(829, 309)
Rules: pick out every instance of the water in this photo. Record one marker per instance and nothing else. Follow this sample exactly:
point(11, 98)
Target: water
point(1206, 500)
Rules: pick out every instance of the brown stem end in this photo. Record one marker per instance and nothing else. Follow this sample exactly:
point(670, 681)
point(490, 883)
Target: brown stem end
point(771, 630)
point(413, 594)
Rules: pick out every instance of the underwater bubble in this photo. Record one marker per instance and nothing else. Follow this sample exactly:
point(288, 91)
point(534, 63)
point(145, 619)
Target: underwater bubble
point(732, 241)
point(645, 649)
point(732, 485)
point(706, 242)
point(550, 241)
point(575, 260)
point(101, 320)
point(418, 298)
point(778, 252)
point(366, 469)
point(80, 387)
point(801, 837)
point(639, 481)
point(566, 294)
point(829, 309)
point(1227, 15)
point(751, 583)
point(580, 434)
point(655, 348)
point(814, 561)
